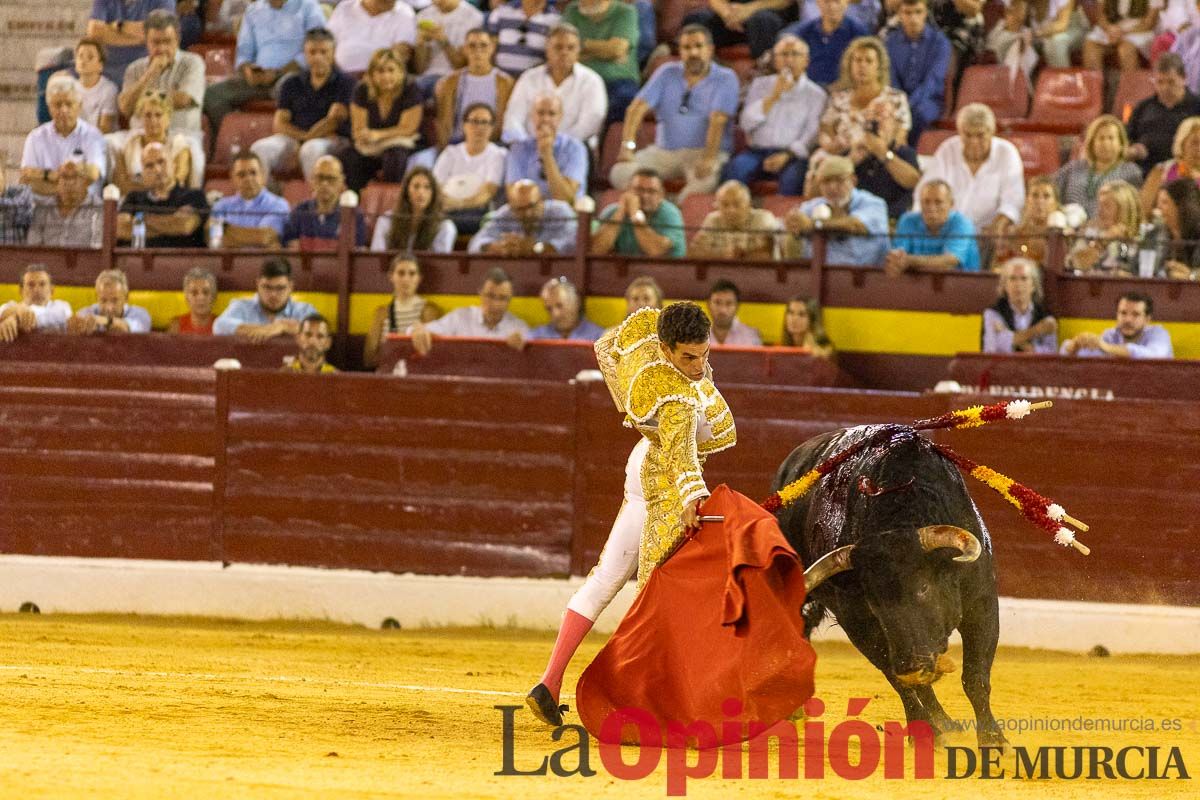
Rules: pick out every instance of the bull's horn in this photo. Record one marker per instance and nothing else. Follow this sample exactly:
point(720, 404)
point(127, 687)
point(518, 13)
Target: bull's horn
point(934, 536)
point(827, 566)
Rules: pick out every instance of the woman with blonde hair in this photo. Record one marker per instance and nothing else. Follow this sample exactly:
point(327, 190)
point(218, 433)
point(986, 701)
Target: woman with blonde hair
point(385, 120)
point(1185, 164)
point(1103, 161)
point(153, 111)
point(1018, 322)
point(803, 327)
point(1028, 238)
point(1109, 242)
point(404, 309)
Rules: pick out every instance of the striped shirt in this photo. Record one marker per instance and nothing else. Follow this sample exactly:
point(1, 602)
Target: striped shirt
point(521, 39)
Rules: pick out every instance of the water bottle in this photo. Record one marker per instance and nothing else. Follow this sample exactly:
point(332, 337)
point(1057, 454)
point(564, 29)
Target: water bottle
point(139, 230)
point(1152, 248)
point(216, 232)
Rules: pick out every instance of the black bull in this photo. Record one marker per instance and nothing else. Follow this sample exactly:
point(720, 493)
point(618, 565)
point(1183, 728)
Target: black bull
point(900, 570)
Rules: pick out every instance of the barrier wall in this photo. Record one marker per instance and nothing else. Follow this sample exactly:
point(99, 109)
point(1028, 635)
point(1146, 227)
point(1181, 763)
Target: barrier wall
point(1097, 379)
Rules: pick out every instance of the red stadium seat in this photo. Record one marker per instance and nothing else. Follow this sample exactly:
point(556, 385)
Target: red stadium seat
point(695, 208)
point(611, 146)
point(239, 130)
point(1133, 88)
point(931, 139)
point(1039, 152)
point(218, 60)
point(607, 198)
point(763, 188)
point(259, 106)
point(377, 199)
point(1065, 101)
point(670, 15)
point(995, 87)
point(222, 185)
point(295, 192)
point(779, 205)
point(737, 58)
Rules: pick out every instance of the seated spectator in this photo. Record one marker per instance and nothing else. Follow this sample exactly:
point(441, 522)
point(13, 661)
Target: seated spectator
point(756, 23)
point(37, 310)
point(1126, 27)
point(1179, 205)
point(173, 213)
point(271, 312)
point(1185, 164)
point(64, 138)
point(154, 117)
point(229, 18)
point(555, 161)
point(270, 46)
point(199, 292)
point(1187, 45)
point(985, 174)
point(585, 100)
point(856, 225)
point(405, 309)
point(642, 292)
point(803, 327)
point(312, 116)
point(723, 301)
point(471, 173)
point(385, 119)
point(920, 58)
point(364, 27)
point(119, 26)
point(98, 100)
point(16, 209)
point(527, 225)
point(565, 306)
point(867, 13)
point(1155, 120)
point(1051, 28)
point(417, 222)
point(74, 217)
point(1028, 238)
point(608, 32)
point(827, 38)
point(111, 313)
point(176, 73)
point(252, 216)
point(694, 101)
point(1109, 241)
point(642, 222)
point(489, 320)
point(962, 22)
point(781, 118)
point(313, 341)
point(935, 238)
point(442, 28)
point(314, 224)
point(1103, 161)
point(479, 82)
point(1018, 322)
point(521, 28)
point(734, 229)
point(1132, 337)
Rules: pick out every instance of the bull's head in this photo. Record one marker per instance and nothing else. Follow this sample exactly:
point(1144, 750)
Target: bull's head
point(909, 579)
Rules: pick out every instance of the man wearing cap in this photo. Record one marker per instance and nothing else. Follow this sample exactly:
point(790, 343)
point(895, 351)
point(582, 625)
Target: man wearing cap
point(856, 223)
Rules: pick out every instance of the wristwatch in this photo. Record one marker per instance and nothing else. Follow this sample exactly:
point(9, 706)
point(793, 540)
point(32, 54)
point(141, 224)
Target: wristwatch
point(630, 145)
point(45, 174)
point(889, 156)
point(120, 25)
point(639, 217)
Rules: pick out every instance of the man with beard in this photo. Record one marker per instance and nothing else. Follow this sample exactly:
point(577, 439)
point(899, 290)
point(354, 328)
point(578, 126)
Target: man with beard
point(693, 101)
point(272, 312)
point(723, 301)
point(35, 310)
point(1132, 337)
point(490, 319)
point(314, 342)
point(857, 222)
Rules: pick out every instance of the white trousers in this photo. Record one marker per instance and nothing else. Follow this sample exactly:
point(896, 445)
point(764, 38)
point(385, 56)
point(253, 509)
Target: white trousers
point(619, 558)
point(277, 150)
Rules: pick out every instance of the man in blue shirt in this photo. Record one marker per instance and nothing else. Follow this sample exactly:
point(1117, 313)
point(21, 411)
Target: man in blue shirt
point(527, 225)
point(565, 307)
point(271, 312)
point(920, 56)
point(117, 24)
point(555, 161)
point(693, 101)
point(1132, 337)
point(270, 44)
point(827, 38)
point(314, 224)
point(855, 222)
point(937, 237)
point(252, 217)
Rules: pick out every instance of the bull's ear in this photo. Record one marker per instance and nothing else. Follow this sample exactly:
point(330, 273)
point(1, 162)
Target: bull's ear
point(933, 537)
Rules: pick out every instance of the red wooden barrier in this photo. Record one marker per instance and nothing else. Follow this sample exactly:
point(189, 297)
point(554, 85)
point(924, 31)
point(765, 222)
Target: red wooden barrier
point(1079, 378)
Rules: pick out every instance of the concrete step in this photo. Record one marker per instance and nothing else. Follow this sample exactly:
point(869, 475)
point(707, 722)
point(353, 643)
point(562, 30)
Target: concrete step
point(17, 116)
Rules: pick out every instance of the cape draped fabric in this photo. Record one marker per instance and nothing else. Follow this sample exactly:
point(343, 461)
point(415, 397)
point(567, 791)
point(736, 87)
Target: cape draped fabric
point(720, 619)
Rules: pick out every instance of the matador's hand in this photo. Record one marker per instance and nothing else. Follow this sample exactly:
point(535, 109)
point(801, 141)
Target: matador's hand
point(691, 515)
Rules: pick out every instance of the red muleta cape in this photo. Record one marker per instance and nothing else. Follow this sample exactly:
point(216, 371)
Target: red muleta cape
point(719, 619)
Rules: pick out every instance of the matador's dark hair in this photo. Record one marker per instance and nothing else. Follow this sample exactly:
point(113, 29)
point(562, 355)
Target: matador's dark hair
point(683, 323)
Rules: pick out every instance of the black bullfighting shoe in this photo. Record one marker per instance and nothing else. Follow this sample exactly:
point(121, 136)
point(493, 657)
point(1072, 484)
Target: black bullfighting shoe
point(543, 706)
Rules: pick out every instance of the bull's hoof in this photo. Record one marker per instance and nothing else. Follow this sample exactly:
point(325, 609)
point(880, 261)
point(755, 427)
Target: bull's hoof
point(993, 738)
point(544, 707)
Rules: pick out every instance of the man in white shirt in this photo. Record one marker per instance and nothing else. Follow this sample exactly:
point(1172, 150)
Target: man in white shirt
point(442, 29)
point(985, 174)
point(581, 90)
point(363, 26)
point(110, 313)
point(64, 138)
point(488, 320)
point(36, 309)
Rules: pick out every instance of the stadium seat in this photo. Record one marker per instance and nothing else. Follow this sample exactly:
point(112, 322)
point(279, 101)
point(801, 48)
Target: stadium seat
point(610, 148)
point(1039, 152)
point(1133, 88)
point(295, 192)
point(1065, 101)
point(931, 139)
point(239, 130)
point(695, 207)
point(259, 106)
point(377, 198)
point(994, 86)
point(780, 206)
point(670, 16)
point(607, 198)
point(737, 58)
point(218, 60)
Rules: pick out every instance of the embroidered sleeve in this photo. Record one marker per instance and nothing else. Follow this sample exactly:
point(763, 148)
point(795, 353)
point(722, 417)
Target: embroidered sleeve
point(677, 439)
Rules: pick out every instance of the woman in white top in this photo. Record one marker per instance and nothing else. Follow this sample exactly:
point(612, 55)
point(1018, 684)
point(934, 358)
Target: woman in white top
point(405, 309)
point(153, 110)
point(1050, 26)
point(471, 172)
point(417, 223)
point(98, 103)
point(1128, 26)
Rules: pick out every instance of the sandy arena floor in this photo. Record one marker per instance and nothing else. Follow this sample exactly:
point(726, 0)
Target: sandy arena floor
point(130, 707)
